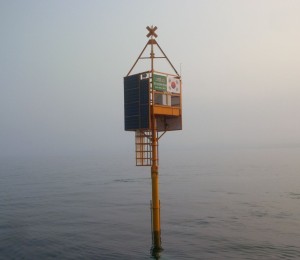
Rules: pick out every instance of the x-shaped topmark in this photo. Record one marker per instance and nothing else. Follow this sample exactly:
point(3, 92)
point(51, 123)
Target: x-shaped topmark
point(151, 31)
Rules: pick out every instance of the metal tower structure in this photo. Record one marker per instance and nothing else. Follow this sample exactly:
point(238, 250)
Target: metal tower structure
point(153, 106)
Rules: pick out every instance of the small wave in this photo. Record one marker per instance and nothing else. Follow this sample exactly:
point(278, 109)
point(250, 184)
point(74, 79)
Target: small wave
point(125, 180)
point(294, 195)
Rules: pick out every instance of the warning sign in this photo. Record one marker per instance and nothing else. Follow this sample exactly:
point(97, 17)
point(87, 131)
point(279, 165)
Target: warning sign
point(159, 82)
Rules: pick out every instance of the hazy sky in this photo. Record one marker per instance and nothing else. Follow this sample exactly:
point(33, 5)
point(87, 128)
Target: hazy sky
point(62, 66)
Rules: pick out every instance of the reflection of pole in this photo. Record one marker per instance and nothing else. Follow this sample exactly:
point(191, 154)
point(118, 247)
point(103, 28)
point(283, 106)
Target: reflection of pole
point(156, 243)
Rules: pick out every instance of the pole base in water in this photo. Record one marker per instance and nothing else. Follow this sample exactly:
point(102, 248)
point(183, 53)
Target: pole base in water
point(156, 244)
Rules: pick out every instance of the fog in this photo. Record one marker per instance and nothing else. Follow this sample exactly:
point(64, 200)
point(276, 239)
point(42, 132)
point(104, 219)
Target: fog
point(63, 62)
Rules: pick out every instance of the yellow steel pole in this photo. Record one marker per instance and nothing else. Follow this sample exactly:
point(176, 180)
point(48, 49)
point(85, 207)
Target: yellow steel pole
point(156, 233)
point(155, 192)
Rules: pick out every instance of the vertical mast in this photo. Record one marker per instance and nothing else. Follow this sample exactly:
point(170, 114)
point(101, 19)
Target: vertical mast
point(156, 232)
point(152, 104)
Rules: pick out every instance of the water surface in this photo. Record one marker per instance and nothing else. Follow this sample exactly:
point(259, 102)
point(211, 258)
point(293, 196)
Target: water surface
point(216, 204)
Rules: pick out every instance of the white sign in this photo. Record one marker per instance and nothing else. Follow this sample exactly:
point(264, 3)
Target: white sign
point(173, 85)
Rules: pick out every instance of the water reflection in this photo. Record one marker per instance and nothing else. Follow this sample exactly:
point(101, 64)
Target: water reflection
point(156, 252)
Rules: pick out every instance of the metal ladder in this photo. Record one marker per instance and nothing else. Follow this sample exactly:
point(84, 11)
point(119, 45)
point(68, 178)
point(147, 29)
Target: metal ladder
point(143, 148)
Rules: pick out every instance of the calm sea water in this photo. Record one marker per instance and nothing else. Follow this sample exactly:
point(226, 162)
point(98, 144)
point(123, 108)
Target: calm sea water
point(215, 204)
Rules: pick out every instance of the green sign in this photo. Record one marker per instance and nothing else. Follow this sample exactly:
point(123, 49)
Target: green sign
point(159, 82)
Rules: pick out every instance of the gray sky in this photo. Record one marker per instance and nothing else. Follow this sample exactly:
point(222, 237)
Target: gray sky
point(62, 66)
